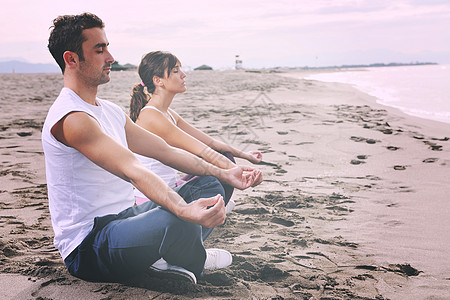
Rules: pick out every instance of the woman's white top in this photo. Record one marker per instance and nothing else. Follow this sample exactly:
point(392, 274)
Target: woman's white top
point(168, 174)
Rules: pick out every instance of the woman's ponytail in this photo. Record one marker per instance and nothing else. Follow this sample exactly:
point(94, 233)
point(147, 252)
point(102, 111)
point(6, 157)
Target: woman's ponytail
point(139, 98)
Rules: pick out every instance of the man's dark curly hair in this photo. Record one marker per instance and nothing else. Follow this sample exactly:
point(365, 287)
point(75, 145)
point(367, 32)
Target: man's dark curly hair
point(67, 35)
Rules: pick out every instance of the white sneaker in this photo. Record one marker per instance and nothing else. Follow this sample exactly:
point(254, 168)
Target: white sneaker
point(230, 206)
point(217, 259)
point(162, 269)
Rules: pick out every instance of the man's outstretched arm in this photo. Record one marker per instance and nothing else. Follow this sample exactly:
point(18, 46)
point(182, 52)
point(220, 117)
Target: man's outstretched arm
point(82, 132)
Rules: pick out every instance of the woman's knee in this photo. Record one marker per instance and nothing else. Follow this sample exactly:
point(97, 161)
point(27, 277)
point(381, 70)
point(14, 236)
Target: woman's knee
point(211, 183)
point(182, 228)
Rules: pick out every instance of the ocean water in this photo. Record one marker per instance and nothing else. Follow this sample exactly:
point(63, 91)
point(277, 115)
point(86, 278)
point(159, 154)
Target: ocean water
point(421, 91)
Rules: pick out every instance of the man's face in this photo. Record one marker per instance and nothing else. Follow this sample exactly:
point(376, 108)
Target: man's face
point(95, 68)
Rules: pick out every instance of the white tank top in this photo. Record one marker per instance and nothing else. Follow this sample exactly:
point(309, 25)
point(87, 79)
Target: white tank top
point(78, 189)
point(168, 174)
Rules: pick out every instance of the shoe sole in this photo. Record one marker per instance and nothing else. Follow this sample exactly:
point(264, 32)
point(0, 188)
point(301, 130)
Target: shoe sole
point(170, 275)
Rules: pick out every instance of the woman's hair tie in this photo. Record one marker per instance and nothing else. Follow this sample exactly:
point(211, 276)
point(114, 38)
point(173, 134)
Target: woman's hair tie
point(142, 83)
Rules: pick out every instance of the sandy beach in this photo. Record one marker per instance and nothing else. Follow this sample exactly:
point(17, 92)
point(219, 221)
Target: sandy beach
point(354, 204)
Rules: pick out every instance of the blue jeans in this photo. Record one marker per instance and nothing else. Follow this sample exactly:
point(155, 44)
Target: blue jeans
point(227, 188)
point(122, 245)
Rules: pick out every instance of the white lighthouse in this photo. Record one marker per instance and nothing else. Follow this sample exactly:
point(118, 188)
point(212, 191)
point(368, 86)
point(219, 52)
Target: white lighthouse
point(238, 64)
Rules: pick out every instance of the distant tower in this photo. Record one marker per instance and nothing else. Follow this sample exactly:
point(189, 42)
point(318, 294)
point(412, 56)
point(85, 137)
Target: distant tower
point(238, 64)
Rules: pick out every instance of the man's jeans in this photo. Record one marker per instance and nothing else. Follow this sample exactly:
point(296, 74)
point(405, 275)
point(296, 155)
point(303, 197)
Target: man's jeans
point(122, 245)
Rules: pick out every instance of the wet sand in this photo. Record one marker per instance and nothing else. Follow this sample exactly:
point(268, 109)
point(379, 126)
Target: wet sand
point(354, 204)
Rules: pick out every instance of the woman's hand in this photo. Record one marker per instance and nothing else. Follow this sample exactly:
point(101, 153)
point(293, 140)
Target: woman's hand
point(254, 156)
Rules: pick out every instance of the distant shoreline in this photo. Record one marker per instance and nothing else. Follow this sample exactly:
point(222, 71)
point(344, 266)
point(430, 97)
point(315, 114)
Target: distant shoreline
point(20, 67)
point(375, 65)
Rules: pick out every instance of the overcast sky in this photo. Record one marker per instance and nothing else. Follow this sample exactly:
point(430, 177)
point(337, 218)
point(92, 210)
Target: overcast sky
point(264, 33)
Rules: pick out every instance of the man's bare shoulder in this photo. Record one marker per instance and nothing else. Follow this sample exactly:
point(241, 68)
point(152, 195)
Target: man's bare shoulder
point(75, 127)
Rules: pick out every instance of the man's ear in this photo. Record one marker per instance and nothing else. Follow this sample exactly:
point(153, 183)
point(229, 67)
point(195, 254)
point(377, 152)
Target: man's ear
point(71, 59)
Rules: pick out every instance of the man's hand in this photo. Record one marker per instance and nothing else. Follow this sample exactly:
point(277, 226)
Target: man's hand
point(208, 212)
point(257, 177)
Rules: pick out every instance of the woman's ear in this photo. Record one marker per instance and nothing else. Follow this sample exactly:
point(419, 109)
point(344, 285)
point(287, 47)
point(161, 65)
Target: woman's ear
point(71, 59)
point(157, 81)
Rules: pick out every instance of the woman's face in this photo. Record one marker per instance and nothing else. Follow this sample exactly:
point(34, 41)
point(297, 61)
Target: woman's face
point(175, 82)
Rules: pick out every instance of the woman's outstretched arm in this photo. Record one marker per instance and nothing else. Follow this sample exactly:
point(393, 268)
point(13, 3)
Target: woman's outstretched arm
point(156, 123)
point(219, 146)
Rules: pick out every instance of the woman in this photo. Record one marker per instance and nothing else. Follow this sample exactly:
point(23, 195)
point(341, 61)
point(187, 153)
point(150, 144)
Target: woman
point(161, 79)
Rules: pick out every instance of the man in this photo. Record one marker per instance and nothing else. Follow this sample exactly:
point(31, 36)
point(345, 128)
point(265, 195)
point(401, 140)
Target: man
point(88, 145)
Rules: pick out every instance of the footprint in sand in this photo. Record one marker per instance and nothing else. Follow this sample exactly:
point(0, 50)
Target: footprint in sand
point(444, 139)
point(218, 279)
point(386, 131)
point(359, 160)
point(282, 221)
point(436, 147)
point(399, 168)
point(24, 133)
point(430, 160)
point(392, 148)
point(404, 269)
point(433, 146)
point(363, 139)
point(282, 132)
point(252, 211)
